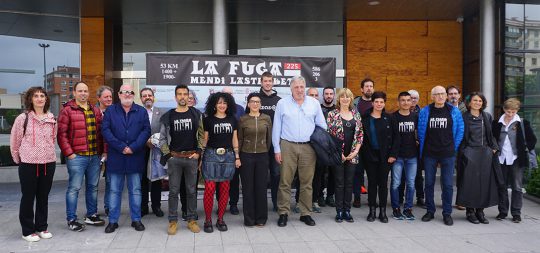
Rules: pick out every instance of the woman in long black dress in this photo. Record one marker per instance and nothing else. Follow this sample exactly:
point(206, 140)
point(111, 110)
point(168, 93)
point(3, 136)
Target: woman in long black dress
point(476, 178)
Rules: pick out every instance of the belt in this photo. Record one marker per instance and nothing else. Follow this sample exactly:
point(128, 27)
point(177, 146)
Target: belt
point(221, 151)
point(295, 142)
point(183, 154)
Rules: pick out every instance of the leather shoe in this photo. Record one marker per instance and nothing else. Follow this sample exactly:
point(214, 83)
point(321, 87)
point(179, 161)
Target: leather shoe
point(137, 225)
point(501, 216)
point(428, 217)
point(111, 227)
point(234, 210)
point(481, 217)
point(448, 221)
point(221, 226)
point(208, 228)
point(282, 221)
point(157, 211)
point(307, 220)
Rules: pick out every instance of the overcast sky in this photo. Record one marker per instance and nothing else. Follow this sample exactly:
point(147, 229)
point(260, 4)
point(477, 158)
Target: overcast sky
point(25, 54)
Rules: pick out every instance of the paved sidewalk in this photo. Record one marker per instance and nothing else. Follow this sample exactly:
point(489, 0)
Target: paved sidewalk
point(327, 236)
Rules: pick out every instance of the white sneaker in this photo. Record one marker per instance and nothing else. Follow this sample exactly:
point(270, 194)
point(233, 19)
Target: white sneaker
point(44, 234)
point(31, 238)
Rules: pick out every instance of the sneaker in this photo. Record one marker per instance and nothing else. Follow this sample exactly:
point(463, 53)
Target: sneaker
point(94, 220)
point(76, 226)
point(363, 190)
point(428, 217)
point(296, 208)
point(516, 218)
point(316, 208)
point(193, 226)
point(44, 234)
point(396, 214)
point(321, 202)
point(448, 221)
point(31, 238)
point(172, 227)
point(501, 216)
point(407, 213)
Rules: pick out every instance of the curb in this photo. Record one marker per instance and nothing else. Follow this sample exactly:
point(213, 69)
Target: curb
point(532, 198)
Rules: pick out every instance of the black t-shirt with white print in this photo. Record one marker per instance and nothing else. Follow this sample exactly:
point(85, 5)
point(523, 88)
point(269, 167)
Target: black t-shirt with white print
point(439, 141)
point(183, 132)
point(220, 131)
point(406, 126)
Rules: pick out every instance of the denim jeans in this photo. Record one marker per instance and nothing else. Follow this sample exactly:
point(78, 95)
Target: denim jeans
point(80, 167)
point(447, 181)
point(409, 166)
point(134, 195)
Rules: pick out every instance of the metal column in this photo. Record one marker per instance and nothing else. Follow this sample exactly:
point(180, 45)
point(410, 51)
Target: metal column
point(487, 51)
point(219, 28)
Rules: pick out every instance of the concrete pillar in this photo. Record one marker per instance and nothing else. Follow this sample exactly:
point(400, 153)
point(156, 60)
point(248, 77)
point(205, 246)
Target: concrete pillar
point(219, 28)
point(487, 52)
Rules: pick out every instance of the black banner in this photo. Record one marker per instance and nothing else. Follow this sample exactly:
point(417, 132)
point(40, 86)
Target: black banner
point(236, 70)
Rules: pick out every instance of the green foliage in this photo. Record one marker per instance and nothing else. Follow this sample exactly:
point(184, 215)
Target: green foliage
point(5, 156)
point(11, 115)
point(533, 187)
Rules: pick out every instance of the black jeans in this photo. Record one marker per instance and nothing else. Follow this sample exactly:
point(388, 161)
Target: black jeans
point(328, 181)
point(149, 186)
point(344, 176)
point(254, 173)
point(36, 181)
point(512, 175)
point(377, 173)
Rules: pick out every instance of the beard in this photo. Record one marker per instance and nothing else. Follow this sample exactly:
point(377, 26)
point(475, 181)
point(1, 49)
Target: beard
point(126, 101)
point(328, 101)
point(182, 102)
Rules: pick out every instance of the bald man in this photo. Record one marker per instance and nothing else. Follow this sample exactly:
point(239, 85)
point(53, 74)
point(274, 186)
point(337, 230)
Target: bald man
point(440, 131)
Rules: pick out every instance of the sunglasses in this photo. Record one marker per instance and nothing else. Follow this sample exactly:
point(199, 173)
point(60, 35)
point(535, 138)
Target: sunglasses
point(126, 92)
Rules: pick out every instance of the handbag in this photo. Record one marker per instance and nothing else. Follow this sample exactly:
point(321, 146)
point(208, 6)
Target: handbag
point(533, 163)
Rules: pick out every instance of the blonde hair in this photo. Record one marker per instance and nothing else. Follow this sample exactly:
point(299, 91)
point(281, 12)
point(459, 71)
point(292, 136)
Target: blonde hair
point(512, 104)
point(347, 93)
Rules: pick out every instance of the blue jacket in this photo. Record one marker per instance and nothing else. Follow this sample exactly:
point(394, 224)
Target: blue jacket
point(457, 125)
point(122, 130)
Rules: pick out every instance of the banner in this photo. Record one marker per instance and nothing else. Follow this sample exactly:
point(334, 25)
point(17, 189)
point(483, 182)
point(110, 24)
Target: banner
point(207, 74)
point(234, 70)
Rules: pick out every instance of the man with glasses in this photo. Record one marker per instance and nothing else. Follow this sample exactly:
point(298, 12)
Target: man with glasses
point(80, 139)
point(454, 96)
point(440, 131)
point(149, 185)
point(126, 129)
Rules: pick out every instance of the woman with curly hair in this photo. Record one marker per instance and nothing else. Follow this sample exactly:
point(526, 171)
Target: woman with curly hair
point(32, 143)
point(221, 156)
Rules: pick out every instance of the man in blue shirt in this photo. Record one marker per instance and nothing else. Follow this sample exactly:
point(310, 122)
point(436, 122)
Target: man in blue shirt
point(294, 122)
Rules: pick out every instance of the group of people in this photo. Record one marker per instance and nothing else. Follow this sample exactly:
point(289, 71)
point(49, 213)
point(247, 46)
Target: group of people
point(268, 143)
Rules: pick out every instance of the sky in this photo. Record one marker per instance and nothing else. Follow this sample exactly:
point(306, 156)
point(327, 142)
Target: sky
point(25, 54)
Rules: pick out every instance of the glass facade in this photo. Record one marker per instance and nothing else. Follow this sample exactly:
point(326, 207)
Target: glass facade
point(522, 59)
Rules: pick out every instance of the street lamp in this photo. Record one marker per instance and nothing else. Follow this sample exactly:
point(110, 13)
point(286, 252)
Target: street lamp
point(43, 45)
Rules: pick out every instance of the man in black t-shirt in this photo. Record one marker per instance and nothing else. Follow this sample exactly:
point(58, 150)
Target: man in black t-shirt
point(440, 131)
point(405, 150)
point(181, 138)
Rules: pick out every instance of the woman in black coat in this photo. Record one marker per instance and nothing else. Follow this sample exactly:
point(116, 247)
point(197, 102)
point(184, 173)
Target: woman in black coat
point(476, 175)
point(376, 151)
point(512, 133)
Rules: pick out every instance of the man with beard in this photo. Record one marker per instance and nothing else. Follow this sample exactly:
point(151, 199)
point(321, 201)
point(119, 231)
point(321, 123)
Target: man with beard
point(147, 185)
point(81, 142)
point(363, 104)
point(126, 129)
point(454, 98)
point(180, 139)
point(269, 100)
point(104, 96)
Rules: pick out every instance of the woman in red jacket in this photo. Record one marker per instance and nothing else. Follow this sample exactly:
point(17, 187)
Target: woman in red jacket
point(32, 148)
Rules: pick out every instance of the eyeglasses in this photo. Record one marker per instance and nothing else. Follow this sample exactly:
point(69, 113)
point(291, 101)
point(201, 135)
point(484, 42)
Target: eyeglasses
point(413, 98)
point(255, 101)
point(126, 92)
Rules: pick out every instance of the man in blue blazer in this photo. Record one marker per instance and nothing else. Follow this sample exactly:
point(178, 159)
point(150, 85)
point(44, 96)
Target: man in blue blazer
point(125, 128)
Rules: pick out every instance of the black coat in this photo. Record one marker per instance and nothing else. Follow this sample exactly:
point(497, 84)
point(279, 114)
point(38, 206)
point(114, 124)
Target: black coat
point(478, 172)
point(522, 156)
point(325, 147)
point(384, 134)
